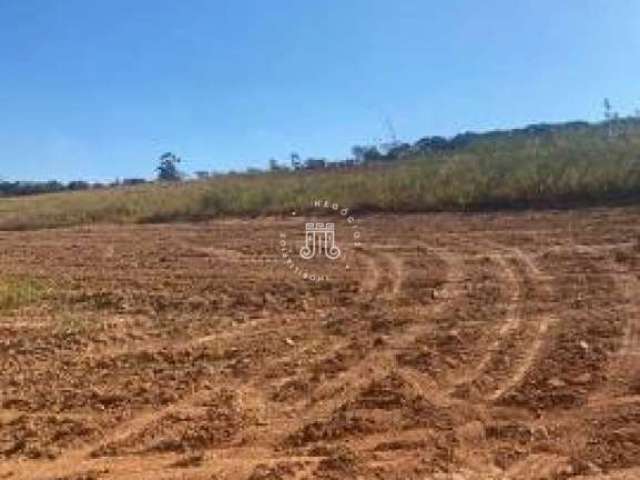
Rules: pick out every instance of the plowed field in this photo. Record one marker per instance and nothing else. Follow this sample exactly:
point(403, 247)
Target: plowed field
point(470, 347)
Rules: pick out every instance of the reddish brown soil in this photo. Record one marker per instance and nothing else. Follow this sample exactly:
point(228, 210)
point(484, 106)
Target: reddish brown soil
point(471, 347)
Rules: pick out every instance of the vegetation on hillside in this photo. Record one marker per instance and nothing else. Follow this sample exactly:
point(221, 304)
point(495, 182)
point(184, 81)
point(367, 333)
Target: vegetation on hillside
point(568, 165)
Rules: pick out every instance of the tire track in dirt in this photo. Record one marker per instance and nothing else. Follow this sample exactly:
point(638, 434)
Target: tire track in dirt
point(603, 264)
point(455, 277)
point(448, 297)
point(78, 460)
point(89, 458)
point(536, 338)
point(383, 362)
point(374, 368)
point(84, 459)
point(372, 274)
point(624, 362)
point(625, 474)
point(387, 272)
point(254, 325)
point(537, 466)
point(218, 253)
point(397, 277)
point(608, 402)
point(384, 278)
point(510, 322)
point(526, 362)
point(384, 274)
point(580, 310)
point(451, 294)
point(521, 336)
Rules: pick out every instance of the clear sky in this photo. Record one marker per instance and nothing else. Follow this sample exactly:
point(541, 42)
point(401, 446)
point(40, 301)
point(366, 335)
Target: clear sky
point(98, 89)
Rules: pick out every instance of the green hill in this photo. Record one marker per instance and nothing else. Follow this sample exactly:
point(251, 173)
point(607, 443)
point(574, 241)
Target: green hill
point(538, 166)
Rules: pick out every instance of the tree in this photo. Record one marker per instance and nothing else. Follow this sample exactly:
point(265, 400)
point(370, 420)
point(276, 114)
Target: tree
point(296, 163)
point(607, 109)
point(273, 165)
point(398, 151)
point(358, 153)
point(129, 182)
point(315, 163)
point(78, 185)
point(168, 169)
point(366, 154)
point(439, 144)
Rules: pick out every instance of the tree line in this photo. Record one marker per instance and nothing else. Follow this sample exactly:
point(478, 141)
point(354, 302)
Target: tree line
point(361, 155)
point(22, 188)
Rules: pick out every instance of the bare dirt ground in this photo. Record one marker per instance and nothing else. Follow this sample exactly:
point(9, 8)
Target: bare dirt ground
point(494, 346)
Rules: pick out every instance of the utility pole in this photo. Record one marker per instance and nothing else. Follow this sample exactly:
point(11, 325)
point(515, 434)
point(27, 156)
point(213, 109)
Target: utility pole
point(608, 115)
point(392, 131)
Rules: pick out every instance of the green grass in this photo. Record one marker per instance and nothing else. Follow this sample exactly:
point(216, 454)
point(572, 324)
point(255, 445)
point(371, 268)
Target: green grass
point(19, 292)
point(565, 169)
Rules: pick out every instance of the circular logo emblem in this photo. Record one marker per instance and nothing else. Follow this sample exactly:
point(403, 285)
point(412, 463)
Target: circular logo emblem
point(321, 242)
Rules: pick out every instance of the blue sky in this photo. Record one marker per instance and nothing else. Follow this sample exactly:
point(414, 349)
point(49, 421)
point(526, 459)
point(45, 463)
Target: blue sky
point(99, 89)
